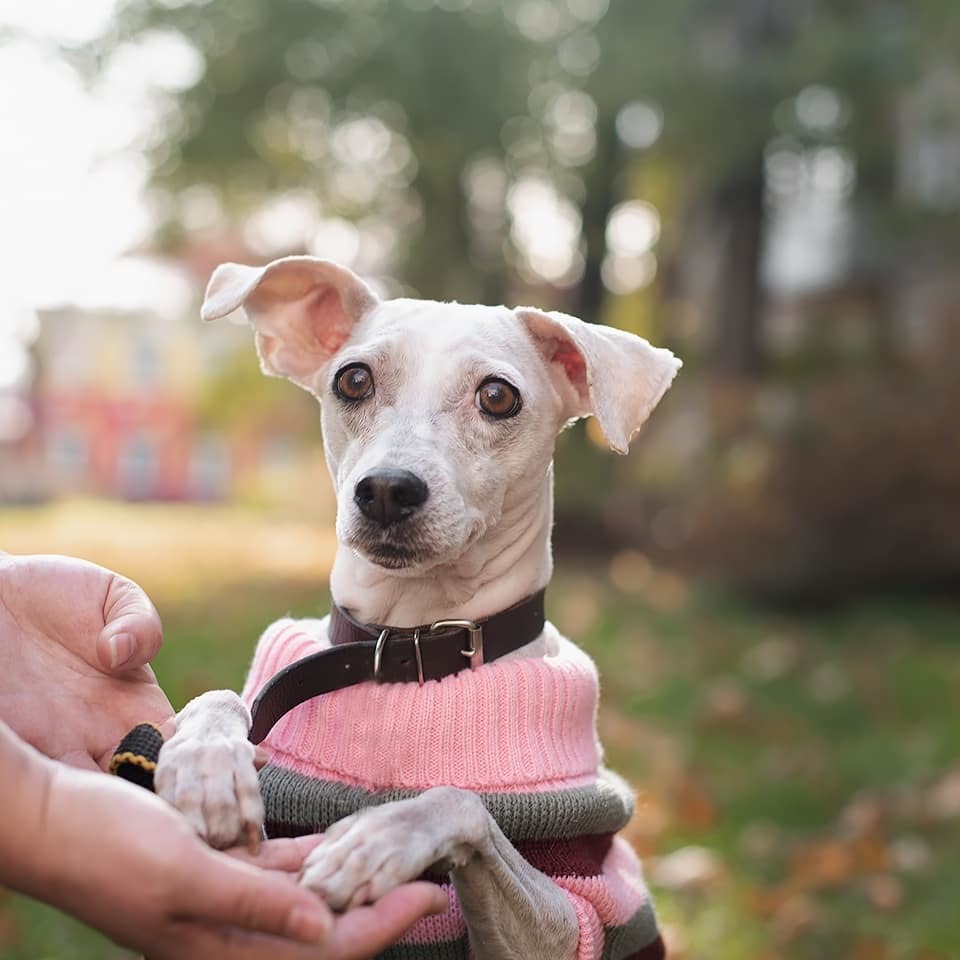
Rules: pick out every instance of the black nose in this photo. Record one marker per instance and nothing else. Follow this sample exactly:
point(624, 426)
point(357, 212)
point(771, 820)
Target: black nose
point(388, 496)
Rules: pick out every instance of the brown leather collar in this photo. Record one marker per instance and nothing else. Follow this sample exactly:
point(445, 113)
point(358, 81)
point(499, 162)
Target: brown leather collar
point(360, 652)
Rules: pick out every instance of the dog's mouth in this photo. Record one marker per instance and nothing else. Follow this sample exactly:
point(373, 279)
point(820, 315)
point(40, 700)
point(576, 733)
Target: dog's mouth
point(392, 558)
point(394, 549)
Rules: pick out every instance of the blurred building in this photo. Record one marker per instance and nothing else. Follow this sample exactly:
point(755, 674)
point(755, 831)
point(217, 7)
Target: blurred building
point(114, 400)
point(114, 409)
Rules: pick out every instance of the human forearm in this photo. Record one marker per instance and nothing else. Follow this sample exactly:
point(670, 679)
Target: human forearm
point(26, 779)
point(76, 839)
point(119, 859)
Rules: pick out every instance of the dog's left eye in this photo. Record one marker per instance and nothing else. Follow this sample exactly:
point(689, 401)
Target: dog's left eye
point(353, 382)
point(498, 399)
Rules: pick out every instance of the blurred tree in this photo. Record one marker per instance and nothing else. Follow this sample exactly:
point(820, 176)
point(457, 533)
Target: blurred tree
point(802, 157)
point(746, 83)
point(373, 109)
point(415, 119)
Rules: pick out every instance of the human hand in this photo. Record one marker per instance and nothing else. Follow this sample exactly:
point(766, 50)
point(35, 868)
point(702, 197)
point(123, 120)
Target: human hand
point(121, 860)
point(75, 641)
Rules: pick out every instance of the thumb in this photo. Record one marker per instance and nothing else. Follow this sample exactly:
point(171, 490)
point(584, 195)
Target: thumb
point(132, 634)
point(229, 892)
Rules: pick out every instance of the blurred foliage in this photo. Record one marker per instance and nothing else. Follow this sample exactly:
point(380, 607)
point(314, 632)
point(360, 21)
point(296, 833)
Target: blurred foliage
point(851, 495)
point(425, 126)
point(477, 79)
point(240, 397)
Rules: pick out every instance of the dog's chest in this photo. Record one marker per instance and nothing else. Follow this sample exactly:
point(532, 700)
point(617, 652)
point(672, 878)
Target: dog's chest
point(511, 726)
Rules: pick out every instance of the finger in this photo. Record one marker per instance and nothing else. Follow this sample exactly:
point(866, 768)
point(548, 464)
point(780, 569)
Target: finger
point(225, 891)
point(365, 931)
point(286, 853)
point(132, 633)
point(356, 936)
point(200, 941)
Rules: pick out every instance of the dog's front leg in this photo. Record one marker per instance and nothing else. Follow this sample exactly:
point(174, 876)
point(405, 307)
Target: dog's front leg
point(207, 770)
point(512, 911)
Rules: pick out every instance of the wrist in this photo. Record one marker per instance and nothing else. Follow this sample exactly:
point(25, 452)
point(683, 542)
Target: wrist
point(24, 839)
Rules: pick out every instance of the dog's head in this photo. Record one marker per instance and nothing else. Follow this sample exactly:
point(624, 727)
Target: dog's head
point(436, 417)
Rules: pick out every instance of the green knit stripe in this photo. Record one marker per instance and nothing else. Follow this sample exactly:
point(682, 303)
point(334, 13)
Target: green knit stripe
point(638, 932)
point(298, 803)
point(448, 950)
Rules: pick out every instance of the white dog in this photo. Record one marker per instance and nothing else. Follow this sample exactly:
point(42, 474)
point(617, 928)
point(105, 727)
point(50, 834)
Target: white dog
point(456, 733)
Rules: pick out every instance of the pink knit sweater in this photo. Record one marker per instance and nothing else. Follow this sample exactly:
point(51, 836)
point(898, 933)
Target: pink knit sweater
point(519, 732)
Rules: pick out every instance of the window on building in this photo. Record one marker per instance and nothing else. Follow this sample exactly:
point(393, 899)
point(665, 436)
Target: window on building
point(138, 467)
point(68, 456)
point(209, 468)
point(146, 362)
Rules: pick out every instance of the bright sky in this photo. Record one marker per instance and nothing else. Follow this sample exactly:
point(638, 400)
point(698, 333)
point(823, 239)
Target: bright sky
point(72, 173)
point(71, 170)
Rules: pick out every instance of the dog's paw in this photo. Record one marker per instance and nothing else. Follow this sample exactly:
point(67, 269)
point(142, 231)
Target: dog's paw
point(213, 783)
point(365, 856)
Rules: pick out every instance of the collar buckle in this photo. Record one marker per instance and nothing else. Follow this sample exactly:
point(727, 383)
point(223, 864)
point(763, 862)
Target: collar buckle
point(475, 633)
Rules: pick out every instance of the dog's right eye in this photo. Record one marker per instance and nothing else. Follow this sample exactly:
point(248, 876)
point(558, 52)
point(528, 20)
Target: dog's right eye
point(498, 399)
point(353, 382)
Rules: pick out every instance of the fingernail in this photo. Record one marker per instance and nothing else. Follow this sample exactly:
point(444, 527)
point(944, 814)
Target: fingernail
point(121, 647)
point(309, 925)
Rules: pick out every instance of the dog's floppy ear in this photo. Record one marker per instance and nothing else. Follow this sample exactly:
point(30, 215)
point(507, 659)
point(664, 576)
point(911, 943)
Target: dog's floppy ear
point(303, 310)
point(616, 376)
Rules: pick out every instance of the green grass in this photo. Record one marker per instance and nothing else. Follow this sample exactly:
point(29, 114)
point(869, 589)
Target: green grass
point(807, 753)
point(810, 755)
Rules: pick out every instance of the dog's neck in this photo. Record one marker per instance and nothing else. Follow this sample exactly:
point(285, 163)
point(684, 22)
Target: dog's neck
point(510, 562)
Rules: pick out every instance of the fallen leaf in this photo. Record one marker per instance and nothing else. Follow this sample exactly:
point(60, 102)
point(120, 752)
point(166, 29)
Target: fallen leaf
point(689, 868)
point(725, 703)
point(693, 806)
point(943, 798)
point(870, 949)
point(910, 854)
point(822, 865)
point(884, 892)
point(796, 916)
